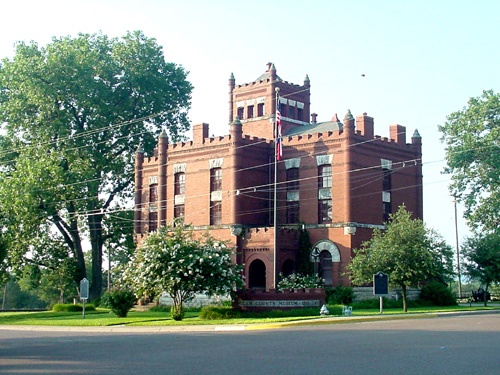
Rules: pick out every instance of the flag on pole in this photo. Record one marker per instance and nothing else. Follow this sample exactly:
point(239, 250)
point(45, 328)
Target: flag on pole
point(279, 146)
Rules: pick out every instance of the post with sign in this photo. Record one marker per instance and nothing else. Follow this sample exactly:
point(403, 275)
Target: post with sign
point(381, 287)
point(84, 293)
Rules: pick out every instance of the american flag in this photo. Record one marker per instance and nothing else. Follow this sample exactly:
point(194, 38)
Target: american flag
point(279, 147)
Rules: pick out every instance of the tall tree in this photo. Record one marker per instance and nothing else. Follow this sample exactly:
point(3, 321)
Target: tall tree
point(72, 114)
point(406, 250)
point(172, 260)
point(472, 138)
point(482, 259)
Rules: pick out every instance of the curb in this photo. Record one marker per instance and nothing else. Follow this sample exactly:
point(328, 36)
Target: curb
point(244, 327)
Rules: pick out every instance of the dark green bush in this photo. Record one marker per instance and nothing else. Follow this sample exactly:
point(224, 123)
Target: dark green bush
point(375, 304)
point(120, 301)
point(218, 312)
point(177, 312)
point(341, 295)
point(68, 307)
point(437, 294)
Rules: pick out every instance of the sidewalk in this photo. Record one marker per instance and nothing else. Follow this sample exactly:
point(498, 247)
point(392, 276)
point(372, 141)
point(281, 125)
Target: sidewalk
point(247, 327)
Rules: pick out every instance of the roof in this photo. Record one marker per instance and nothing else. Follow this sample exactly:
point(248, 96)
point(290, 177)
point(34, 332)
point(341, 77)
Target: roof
point(320, 127)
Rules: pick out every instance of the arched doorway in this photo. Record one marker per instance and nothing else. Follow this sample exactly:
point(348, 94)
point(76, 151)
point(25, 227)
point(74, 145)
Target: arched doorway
point(326, 267)
point(328, 254)
point(288, 267)
point(257, 275)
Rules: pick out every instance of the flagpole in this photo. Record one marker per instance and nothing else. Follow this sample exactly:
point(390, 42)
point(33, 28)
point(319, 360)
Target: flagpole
point(275, 211)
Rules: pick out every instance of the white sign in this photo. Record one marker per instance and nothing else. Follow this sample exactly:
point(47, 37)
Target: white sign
point(84, 289)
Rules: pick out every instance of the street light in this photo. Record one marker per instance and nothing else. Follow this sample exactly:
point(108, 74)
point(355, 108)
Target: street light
point(315, 254)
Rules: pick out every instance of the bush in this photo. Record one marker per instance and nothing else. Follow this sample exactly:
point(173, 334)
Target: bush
point(120, 301)
point(341, 295)
point(298, 281)
point(218, 313)
point(68, 307)
point(374, 303)
point(437, 294)
point(177, 312)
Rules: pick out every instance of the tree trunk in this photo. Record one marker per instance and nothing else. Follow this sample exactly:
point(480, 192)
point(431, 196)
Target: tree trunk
point(95, 227)
point(405, 308)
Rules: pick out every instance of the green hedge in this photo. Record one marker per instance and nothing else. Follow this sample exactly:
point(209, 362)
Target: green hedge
point(68, 307)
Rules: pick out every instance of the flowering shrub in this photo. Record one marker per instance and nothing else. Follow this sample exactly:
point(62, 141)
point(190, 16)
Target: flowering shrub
point(298, 281)
point(171, 260)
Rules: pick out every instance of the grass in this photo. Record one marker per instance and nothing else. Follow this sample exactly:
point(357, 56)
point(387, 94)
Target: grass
point(102, 317)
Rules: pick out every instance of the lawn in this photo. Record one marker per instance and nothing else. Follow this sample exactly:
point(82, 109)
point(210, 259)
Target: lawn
point(102, 317)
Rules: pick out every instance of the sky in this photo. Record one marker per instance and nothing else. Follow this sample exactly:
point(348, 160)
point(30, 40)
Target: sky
point(421, 60)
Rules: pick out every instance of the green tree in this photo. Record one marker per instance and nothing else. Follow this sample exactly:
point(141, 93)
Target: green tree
point(72, 114)
point(406, 250)
point(472, 138)
point(171, 260)
point(482, 259)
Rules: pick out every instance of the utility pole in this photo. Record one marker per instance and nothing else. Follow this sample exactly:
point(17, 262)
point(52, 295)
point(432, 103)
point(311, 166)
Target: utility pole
point(458, 250)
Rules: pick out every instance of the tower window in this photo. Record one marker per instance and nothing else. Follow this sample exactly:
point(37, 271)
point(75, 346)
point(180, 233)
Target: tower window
point(178, 210)
point(292, 178)
point(325, 211)
point(153, 221)
point(386, 194)
point(215, 179)
point(250, 111)
point(292, 212)
point(153, 193)
point(260, 109)
point(216, 213)
point(240, 113)
point(324, 176)
point(180, 183)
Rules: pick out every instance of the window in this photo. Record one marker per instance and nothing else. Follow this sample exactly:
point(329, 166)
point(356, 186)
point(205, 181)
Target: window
point(240, 113)
point(180, 183)
point(386, 210)
point(153, 193)
point(216, 213)
point(324, 194)
point(292, 188)
point(324, 176)
point(178, 210)
point(250, 111)
point(386, 180)
point(292, 178)
point(283, 110)
point(300, 114)
point(292, 212)
point(216, 179)
point(260, 109)
point(386, 194)
point(291, 111)
point(153, 221)
point(325, 211)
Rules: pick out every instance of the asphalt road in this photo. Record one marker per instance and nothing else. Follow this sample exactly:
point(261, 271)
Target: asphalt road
point(442, 345)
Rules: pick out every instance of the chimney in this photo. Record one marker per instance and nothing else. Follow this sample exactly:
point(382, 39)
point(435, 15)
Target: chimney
point(365, 124)
point(200, 132)
point(398, 133)
point(313, 118)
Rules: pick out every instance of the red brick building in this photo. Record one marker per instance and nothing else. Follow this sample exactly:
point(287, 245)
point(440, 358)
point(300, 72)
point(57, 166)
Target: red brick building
point(337, 180)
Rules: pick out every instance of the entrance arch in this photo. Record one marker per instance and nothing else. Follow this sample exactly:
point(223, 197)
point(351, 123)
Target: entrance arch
point(288, 267)
point(328, 254)
point(257, 275)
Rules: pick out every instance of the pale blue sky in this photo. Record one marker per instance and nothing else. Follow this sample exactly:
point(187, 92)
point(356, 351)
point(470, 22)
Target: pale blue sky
point(422, 59)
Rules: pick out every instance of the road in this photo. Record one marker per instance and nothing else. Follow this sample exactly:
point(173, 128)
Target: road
point(441, 345)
